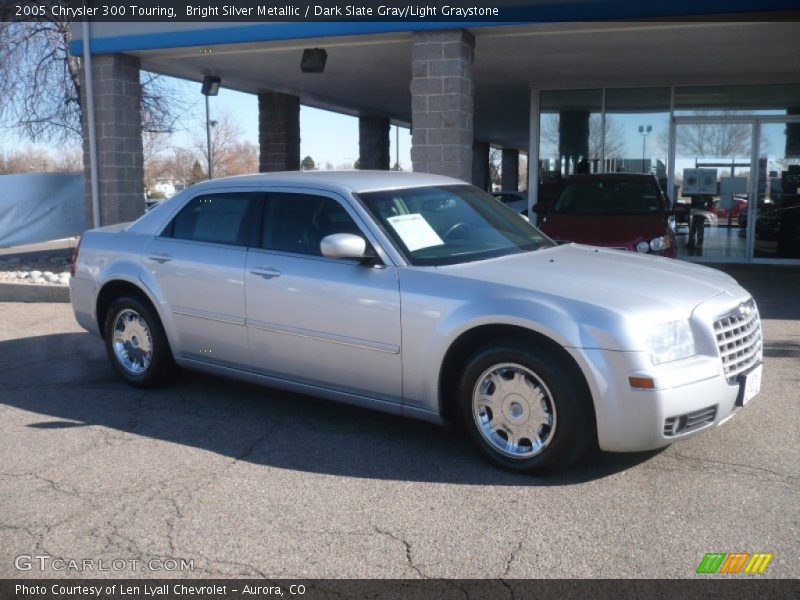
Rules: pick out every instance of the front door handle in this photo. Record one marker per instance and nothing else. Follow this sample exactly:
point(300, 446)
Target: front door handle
point(266, 273)
point(160, 257)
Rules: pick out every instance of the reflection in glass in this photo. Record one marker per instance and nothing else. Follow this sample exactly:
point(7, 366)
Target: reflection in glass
point(737, 100)
point(637, 132)
point(570, 133)
point(712, 173)
point(777, 223)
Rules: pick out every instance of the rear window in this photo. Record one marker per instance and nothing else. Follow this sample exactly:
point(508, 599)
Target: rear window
point(218, 218)
point(609, 198)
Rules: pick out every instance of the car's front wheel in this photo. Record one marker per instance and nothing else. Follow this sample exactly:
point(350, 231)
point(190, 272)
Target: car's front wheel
point(525, 407)
point(136, 343)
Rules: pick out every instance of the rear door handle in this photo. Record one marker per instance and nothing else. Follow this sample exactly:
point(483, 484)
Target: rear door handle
point(161, 258)
point(266, 273)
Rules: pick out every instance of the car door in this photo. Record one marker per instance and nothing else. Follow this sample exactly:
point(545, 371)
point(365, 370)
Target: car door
point(332, 323)
point(198, 262)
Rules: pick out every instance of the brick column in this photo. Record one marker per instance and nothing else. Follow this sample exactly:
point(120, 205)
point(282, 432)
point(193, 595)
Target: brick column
point(573, 137)
point(278, 132)
point(373, 143)
point(118, 126)
point(442, 102)
point(481, 175)
point(510, 169)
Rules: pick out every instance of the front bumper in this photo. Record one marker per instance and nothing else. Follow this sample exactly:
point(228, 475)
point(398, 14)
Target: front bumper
point(690, 395)
point(633, 420)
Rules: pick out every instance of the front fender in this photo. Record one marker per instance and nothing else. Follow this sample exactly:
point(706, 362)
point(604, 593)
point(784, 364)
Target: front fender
point(431, 324)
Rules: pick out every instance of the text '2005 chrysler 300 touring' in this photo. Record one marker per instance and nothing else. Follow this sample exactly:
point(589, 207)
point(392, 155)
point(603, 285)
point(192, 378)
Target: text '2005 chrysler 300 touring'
point(422, 296)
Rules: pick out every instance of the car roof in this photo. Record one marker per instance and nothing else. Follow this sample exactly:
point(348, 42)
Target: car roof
point(354, 181)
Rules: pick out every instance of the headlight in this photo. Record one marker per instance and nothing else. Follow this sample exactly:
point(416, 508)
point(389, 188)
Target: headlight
point(642, 247)
point(660, 243)
point(670, 341)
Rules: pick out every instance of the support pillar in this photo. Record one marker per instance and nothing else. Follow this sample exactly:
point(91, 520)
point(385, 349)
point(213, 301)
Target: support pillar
point(278, 132)
point(510, 170)
point(442, 102)
point(373, 143)
point(573, 137)
point(481, 174)
point(118, 126)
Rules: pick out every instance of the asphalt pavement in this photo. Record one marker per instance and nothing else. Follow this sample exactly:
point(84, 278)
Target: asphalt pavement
point(249, 481)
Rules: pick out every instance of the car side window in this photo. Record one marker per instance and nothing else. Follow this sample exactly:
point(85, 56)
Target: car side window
point(297, 222)
point(225, 218)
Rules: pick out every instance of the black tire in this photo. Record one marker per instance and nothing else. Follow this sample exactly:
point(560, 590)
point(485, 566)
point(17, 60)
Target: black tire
point(573, 430)
point(162, 366)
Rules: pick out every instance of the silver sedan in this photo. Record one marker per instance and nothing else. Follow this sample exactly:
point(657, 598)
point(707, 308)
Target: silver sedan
point(421, 296)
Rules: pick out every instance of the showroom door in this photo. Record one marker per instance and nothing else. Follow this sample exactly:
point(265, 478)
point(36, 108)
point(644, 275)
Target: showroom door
point(739, 177)
point(712, 191)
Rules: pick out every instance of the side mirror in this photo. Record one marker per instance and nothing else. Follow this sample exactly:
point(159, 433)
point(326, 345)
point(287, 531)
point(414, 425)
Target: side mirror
point(343, 245)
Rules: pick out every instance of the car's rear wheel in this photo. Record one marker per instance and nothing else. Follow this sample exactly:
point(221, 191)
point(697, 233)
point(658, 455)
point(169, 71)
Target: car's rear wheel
point(136, 343)
point(525, 408)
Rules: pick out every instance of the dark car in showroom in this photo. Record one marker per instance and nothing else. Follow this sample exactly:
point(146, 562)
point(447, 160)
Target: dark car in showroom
point(622, 210)
point(778, 232)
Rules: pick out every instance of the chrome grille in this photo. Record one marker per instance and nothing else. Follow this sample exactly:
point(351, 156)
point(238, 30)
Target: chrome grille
point(690, 421)
point(739, 340)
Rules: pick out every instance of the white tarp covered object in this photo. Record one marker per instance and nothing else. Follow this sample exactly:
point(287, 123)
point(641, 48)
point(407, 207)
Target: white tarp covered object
point(39, 207)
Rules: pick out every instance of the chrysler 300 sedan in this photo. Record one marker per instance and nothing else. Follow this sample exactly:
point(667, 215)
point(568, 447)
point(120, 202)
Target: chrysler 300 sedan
point(422, 296)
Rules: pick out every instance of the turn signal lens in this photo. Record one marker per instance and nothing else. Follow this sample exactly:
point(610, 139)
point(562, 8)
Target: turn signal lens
point(642, 383)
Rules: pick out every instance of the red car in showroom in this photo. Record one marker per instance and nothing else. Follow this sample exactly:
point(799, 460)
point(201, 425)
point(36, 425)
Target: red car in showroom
point(621, 210)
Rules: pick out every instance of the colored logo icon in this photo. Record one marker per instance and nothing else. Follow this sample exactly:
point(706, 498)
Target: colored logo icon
point(735, 562)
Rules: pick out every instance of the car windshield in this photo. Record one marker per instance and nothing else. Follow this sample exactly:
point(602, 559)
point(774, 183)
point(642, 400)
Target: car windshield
point(609, 198)
point(445, 225)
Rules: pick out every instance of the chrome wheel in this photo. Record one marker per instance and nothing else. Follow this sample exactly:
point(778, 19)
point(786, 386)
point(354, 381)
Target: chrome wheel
point(132, 343)
point(514, 410)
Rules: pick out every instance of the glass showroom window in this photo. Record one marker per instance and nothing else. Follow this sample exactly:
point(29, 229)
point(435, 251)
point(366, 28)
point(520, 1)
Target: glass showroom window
point(636, 132)
point(570, 132)
point(737, 100)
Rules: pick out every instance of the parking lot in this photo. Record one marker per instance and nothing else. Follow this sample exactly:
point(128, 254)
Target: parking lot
point(253, 482)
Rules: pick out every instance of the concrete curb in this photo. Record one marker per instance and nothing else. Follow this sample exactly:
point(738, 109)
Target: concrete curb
point(33, 292)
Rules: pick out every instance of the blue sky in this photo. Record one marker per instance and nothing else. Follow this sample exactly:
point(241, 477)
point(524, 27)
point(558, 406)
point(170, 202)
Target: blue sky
point(326, 136)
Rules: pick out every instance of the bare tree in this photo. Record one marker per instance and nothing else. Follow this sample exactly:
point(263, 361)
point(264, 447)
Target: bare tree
point(717, 140)
point(230, 154)
point(25, 160)
point(40, 83)
point(69, 159)
point(495, 164)
point(614, 136)
point(713, 139)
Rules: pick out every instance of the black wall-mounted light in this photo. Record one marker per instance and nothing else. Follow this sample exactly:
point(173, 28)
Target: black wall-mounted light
point(211, 85)
point(313, 60)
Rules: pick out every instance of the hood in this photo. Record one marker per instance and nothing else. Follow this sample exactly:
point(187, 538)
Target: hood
point(623, 282)
point(605, 230)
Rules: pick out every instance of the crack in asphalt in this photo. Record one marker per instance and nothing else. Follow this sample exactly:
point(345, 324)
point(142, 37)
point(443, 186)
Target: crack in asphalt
point(407, 547)
point(511, 558)
point(790, 480)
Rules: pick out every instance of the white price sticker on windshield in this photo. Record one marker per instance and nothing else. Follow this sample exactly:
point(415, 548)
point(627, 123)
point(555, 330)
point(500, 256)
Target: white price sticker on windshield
point(415, 231)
